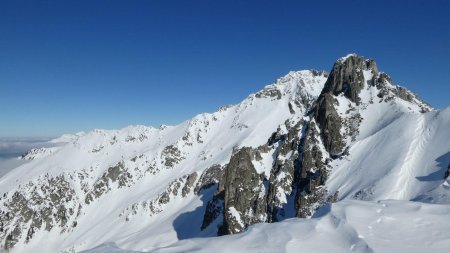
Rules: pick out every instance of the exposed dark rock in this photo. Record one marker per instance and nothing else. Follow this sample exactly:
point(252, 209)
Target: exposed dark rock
point(209, 177)
point(347, 77)
point(319, 73)
point(404, 94)
point(214, 210)
point(154, 206)
point(311, 174)
point(282, 173)
point(244, 193)
point(330, 123)
point(291, 108)
point(381, 80)
point(29, 209)
point(270, 92)
point(171, 156)
point(275, 137)
point(240, 198)
point(298, 174)
point(190, 181)
point(117, 173)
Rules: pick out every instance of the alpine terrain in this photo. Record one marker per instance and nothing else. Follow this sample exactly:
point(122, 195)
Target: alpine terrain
point(320, 162)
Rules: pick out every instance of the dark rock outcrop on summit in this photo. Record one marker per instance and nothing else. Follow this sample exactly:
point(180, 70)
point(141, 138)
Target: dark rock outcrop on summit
point(347, 77)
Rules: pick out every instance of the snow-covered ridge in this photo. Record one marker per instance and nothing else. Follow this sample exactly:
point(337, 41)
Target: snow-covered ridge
point(37, 153)
point(115, 166)
point(265, 159)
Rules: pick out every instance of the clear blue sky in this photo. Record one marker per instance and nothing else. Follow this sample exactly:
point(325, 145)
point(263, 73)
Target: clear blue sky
point(68, 66)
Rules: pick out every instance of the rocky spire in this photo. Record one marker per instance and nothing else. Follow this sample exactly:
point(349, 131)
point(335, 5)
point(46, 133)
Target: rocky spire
point(347, 76)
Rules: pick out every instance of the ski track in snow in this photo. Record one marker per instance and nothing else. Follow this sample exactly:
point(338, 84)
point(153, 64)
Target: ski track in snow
point(406, 174)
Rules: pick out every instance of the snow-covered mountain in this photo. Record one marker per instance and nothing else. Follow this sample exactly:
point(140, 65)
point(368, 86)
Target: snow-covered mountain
point(290, 150)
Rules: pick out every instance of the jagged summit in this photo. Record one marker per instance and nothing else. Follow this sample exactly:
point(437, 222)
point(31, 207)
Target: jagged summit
point(343, 58)
point(297, 145)
point(348, 76)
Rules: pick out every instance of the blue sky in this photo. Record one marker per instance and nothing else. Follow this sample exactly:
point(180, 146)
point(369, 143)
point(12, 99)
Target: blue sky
point(69, 66)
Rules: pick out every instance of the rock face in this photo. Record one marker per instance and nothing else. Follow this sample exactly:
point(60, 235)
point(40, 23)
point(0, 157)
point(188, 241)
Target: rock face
point(311, 175)
point(347, 76)
point(244, 193)
point(48, 205)
point(330, 123)
point(294, 186)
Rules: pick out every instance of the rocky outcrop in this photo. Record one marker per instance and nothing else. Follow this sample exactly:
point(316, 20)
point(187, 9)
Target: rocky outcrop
point(347, 76)
point(171, 156)
point(209, 178)
point(115, 174)
point(179, 187)
point(52, 203)
point(283, 171)
point(330, 123)
point(244, 192)
point(293, 188)
point(311, 175)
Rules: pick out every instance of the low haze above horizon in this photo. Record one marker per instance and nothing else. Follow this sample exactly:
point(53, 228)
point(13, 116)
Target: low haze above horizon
point(71, 66)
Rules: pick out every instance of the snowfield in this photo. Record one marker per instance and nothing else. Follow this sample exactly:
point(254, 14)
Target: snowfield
point(346, 226)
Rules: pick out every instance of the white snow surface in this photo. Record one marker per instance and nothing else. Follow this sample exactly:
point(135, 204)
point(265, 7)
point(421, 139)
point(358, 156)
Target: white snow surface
point(346, 226)
point(400, 153)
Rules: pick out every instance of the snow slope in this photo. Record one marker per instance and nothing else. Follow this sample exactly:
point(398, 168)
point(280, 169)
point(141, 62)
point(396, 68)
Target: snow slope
point(400, 156)
point(346, 226)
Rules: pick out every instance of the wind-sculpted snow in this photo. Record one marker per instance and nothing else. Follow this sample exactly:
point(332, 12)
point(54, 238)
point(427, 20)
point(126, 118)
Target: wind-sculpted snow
point(347, 226)
point(284, 152)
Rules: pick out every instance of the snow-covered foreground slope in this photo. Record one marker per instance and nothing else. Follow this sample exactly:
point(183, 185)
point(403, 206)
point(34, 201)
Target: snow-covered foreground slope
point(310, 139)
point(346, 226)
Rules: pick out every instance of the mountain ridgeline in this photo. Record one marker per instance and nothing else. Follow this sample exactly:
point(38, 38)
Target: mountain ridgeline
point(283, 152)
point(301, 154)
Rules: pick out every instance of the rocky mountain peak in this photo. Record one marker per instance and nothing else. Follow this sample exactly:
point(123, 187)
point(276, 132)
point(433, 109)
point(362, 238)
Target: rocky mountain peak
point(347, 76)
point(283, 152)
